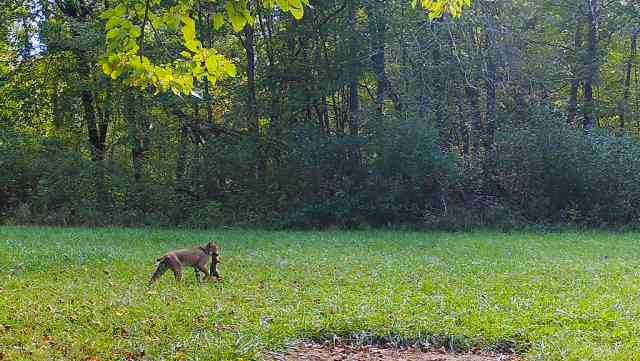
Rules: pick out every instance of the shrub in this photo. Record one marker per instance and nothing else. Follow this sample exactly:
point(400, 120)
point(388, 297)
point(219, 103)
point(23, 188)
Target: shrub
point(553, 173)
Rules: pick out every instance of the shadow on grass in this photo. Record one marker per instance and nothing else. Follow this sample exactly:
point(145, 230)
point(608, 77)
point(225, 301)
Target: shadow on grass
point(368, 346)
point(450, 343)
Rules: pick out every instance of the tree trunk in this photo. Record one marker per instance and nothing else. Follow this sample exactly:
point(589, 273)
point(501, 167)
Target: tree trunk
point(624, 107)
point(442, 67)
point(57, 108)
point(354, 108)
point(252, 104)
point(181, 163)
point(575, 81)
point(491, 78)
point(97, 134)
point(183, 150)
point(490, 85)
point(473, 96)
point(137, 130)
point(137, 157)
point(338, 113)
point(206, 23)
point(103, 123)
point(377, 24)
point(322, 112)
point(97, 148)
point(354, 83)
point(473, 93)
point(590, 113)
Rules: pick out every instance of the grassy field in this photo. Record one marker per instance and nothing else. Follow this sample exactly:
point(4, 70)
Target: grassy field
point(81, 294)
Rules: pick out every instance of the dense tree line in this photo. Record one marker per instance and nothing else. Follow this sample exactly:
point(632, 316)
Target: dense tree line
point(359, 113)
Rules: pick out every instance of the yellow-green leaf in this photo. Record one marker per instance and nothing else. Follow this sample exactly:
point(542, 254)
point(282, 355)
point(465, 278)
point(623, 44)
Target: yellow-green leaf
point(230, 69)
point(113, 33)
point(297, 13)
point(238, 21)
point(115, 74)
point(189, 28)
point(193, 45)
point(135, 32)
point(106, 68)
point(218, 21)
point(212, 65)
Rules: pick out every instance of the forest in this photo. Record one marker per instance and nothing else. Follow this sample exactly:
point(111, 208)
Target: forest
point(346, 179)
point(441, 114)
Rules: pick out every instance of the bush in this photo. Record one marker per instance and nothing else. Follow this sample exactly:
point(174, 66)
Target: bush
point(42, 182)
point(206, 216)
point(15, 183)
point(63, 181)
point(402, 174)
point(552, 173)
point(540, 171)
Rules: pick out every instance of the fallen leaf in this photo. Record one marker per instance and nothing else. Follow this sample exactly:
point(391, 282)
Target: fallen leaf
point(265, 321)
point(124, 332)
point(48, 340)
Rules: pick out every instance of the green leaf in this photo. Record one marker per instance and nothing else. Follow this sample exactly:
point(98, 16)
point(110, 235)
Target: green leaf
point(135, 32)
point(113, 33)
point(119, 11)
point(189, 29)
point(172, 22)
point(194, 63)
point(212, 65)
point(437, 8)
point(218, 21)
point(197, 71)
point(230, 69)
point(284, 5)
point(238, 21)
point(115, 74)
point(106, 68)
point(193, 45)
point(113, 22)
point(297, 13)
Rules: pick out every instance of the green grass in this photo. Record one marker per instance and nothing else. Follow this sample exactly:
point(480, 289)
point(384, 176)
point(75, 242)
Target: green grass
point(72, 294)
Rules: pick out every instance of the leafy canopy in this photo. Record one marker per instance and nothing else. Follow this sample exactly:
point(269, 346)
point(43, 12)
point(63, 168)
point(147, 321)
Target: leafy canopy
point(129, 20)
point(437, 8)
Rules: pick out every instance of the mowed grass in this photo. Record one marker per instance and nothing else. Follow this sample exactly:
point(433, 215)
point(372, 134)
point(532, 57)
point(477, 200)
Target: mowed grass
point(81, 294)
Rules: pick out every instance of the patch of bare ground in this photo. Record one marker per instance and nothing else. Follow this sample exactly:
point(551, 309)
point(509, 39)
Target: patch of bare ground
point(329, 352)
